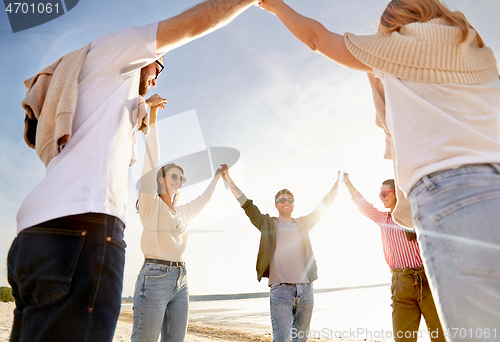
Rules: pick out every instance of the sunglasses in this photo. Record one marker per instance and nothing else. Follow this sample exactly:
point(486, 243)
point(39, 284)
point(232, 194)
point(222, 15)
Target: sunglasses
point(384, 193)
point(158, 72)
point(283, 200)
point(174, 177)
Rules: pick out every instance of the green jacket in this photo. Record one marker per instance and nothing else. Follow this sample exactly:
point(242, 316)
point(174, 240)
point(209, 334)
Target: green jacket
point(267, 226)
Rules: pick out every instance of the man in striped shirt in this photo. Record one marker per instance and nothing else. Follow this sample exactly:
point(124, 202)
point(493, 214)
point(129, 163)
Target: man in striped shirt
point(411, 295)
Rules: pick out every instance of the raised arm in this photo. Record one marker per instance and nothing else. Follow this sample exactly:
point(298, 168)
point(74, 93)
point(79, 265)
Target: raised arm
point(313, 34)
point(151, 156)
point(318, 212)
point(194, 207)
point(348, 184)
point(251, 210)
point(197, 22)
point(237, 193)
point(365, 207)
point(330, 196)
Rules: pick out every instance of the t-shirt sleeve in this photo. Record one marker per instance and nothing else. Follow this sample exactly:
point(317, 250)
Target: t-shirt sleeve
point(123, 52)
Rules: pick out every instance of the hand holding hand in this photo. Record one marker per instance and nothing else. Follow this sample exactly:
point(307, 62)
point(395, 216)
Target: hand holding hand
point(346, 177)
point(270, 5)
point(221, 171)
point(156, 101)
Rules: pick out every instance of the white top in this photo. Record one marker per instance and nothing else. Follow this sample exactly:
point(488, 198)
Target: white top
point(91, 172)
point(441, 126)
point(288, 264)
point(164, 235)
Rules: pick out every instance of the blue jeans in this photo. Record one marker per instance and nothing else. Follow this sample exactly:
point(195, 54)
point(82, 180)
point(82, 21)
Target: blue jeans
point(457, 214)
point(291, 311)
point(66, 276)
point(161, 302)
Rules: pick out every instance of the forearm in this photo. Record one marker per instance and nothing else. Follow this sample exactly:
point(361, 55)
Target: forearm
point(333, 192)
point(153, 112)
point(237, 193)
point(314, 35)
point(350, 187)
point(151, 157)
point(367, 209)
point(194, 207)
point(197, 21)
point(303, 28)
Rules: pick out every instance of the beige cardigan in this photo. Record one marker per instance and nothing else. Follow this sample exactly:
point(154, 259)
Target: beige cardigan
point(428, 52)
point(50, 105)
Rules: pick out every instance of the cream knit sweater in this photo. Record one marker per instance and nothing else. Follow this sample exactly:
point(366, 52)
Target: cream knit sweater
point(428, 52)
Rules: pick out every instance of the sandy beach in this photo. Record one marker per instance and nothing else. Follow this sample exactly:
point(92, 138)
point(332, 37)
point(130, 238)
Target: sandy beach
point(348, 315)
point(200, 330)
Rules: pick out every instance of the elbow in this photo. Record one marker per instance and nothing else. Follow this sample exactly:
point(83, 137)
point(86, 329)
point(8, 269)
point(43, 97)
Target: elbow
point(312, 43)
point(313, 47)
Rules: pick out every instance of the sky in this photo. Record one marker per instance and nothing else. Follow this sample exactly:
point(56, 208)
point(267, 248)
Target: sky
point(295, 118)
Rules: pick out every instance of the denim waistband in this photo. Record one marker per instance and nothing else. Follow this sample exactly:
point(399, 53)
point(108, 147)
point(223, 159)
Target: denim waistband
point(425, 182)
point(87, 217)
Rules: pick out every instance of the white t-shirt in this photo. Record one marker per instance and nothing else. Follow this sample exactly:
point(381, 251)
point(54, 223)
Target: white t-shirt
point(441, 126)
point(91, 172)
point(289, 262)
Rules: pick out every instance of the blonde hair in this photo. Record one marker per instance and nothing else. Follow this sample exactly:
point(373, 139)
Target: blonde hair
point(398, 13)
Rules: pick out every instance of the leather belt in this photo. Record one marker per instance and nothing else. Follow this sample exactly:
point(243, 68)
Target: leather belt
point(165, 262)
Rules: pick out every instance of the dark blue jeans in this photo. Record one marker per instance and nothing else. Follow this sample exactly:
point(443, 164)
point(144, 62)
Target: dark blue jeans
point(67, 276)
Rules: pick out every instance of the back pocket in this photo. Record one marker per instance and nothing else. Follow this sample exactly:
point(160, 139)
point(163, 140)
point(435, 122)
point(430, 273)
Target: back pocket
point(46, 262)
point(471, 229)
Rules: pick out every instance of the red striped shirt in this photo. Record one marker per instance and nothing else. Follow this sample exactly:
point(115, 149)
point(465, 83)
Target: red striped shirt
point(398, 251)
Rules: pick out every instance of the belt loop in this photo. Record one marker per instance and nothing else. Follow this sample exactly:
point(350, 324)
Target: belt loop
point(497, 167)
point(428, 183)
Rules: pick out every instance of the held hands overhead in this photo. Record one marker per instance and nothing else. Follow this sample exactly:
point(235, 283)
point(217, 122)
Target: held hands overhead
point(221, 171)
point(156, 101)
point(270, 5)
point(346, 177)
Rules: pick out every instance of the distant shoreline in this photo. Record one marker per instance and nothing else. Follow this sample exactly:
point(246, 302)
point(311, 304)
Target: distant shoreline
point(201, 298)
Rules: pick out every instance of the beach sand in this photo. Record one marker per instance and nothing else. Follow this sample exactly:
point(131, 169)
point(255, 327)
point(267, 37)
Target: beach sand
point(204, 331)
point(241, 320)
point(359, 314)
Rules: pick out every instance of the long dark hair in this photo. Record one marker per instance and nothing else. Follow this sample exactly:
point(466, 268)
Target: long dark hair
point(162, 172)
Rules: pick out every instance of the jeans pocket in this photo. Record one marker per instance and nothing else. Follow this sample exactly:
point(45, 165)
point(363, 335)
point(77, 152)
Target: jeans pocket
point(157, 272)
point(45, 263)
point(470, 229)
point(121, 244)
point(274, 286)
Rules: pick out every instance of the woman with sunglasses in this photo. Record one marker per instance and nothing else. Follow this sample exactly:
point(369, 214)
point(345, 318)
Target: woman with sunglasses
point(411, 294)
point(437, 95)
point(161, 291)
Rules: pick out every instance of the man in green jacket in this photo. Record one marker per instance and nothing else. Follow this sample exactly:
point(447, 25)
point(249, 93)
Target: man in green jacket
point(286, 258)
